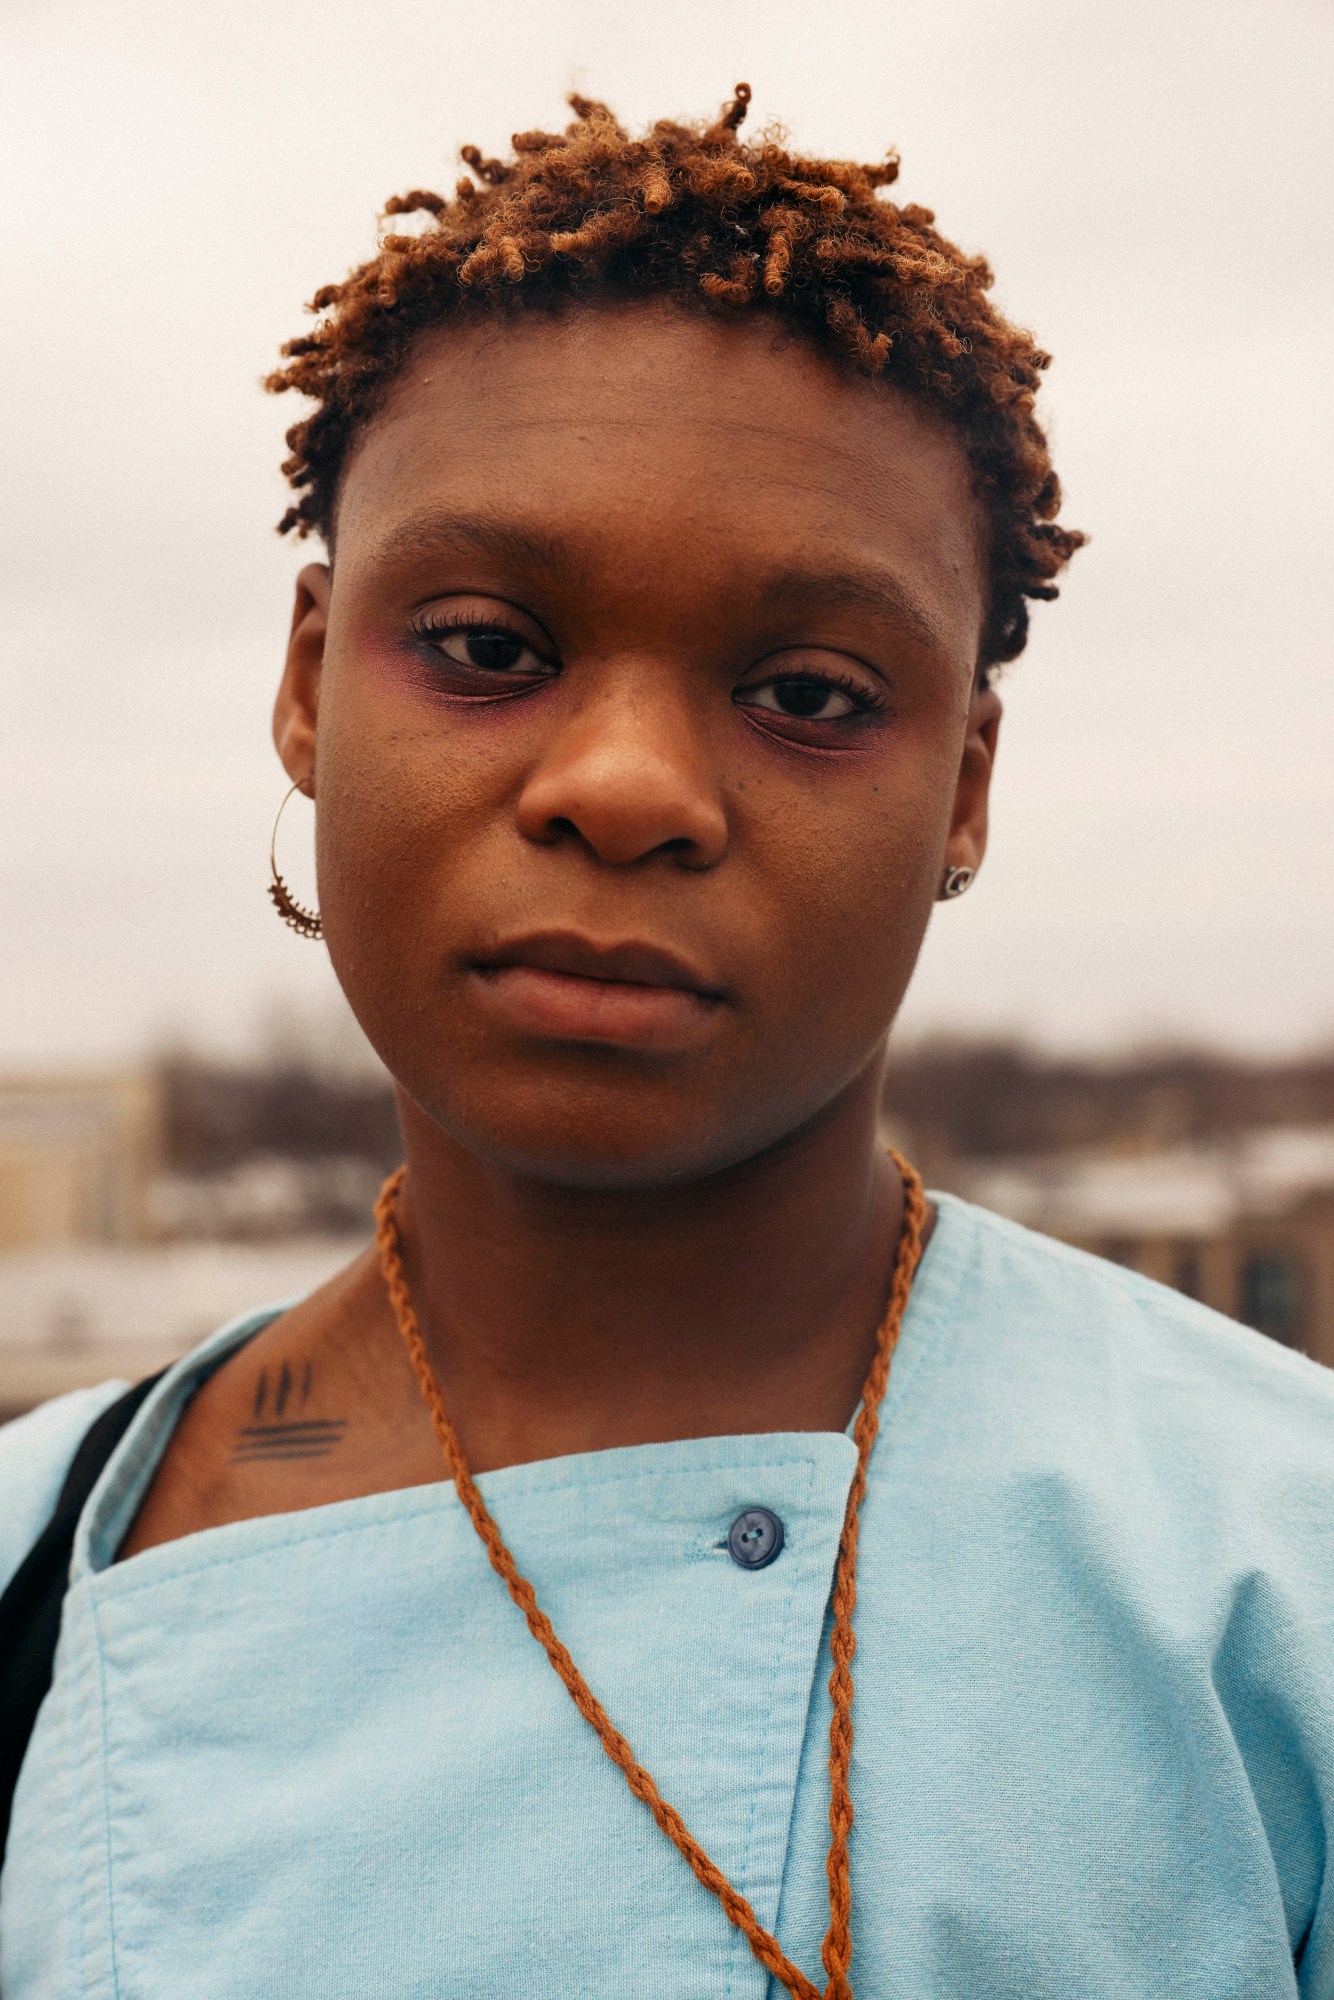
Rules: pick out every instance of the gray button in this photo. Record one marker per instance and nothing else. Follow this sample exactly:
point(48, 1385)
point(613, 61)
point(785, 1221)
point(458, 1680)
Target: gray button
point(755, 1538)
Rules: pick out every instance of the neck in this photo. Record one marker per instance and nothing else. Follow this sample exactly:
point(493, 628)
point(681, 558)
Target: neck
point(563, 1319)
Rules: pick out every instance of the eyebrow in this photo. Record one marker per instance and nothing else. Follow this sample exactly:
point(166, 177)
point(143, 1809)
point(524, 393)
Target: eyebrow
point(804, 586)
point(424, 535)
point(878, 591)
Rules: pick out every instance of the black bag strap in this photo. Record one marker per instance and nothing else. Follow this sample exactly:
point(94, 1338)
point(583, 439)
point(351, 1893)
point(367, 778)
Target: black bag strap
point(31, 1605)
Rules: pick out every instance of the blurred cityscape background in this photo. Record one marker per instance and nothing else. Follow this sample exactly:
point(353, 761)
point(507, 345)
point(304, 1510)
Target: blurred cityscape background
point(141, 1207)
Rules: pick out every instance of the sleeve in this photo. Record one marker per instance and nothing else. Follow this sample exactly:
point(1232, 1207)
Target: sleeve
point(36, 1451)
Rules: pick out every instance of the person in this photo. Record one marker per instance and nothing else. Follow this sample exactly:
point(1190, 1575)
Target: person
point(682, 497)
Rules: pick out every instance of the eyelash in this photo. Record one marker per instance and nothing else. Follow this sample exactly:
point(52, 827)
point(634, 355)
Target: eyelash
point(866, 701)
point(439, 625)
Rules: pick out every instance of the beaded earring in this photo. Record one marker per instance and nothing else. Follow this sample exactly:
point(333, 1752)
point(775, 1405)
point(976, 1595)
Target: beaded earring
point(306, 923)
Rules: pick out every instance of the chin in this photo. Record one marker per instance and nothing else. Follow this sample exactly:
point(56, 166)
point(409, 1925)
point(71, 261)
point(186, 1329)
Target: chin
point(578, 1135)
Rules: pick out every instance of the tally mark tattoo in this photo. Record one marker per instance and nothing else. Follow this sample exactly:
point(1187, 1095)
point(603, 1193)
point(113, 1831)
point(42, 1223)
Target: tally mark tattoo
point(275, 1434)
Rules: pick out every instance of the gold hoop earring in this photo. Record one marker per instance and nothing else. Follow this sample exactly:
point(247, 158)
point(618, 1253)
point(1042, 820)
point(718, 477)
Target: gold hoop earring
point(306, 923)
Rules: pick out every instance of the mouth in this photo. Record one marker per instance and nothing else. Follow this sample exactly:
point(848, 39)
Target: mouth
point(561, 986)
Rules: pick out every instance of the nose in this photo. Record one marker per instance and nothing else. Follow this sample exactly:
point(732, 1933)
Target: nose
point(629, 775)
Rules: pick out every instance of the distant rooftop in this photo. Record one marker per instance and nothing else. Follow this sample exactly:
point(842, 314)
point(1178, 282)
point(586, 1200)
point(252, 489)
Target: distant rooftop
point(1186, 1191)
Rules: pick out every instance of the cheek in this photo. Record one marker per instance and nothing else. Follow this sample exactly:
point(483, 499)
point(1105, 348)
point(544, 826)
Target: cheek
point(403, 799)
point(849, 890)
point(400, 766)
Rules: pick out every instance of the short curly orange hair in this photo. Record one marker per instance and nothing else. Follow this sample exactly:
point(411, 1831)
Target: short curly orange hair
point(694, 215)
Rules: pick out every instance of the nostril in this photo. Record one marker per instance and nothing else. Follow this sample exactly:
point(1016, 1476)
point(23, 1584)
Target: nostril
point(626, 802)
point(623, 832)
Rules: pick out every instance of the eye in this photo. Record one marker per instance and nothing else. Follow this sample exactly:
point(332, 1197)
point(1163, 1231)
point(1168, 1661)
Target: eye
point(487, 648)
point(805, 698)
point(480, 649)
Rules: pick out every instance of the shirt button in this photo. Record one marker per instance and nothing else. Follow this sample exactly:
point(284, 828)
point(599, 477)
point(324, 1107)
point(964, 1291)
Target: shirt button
point(755, 1538)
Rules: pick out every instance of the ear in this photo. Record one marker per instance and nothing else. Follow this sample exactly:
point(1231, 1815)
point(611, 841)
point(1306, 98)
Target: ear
point(967, 841)
point(297, 708)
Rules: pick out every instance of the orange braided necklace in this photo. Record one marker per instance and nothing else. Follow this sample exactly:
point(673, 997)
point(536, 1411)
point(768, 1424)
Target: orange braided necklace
point(837, 1950)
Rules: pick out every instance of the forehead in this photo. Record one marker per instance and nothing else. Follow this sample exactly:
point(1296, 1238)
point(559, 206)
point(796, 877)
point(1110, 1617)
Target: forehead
point(606, 433)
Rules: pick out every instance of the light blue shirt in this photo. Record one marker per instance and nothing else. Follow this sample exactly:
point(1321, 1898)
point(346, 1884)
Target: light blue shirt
point(318, 1756)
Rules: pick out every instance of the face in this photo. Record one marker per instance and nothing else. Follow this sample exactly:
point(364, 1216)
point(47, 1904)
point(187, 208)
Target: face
point(639, 712)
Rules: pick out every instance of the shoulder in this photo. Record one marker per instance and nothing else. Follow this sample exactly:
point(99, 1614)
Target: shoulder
point(36, 1451)
point(1060, 1298)
point(1128, 1375)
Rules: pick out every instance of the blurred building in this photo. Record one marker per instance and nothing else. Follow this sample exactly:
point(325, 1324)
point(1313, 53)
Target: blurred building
point(74, 1314)
point(79, 1156)
point(139, 1209)
point(1247, 1226)
point(272, 1198)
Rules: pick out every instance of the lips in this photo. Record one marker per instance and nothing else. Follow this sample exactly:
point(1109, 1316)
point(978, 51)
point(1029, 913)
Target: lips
point(631, 964)
point(560, 986)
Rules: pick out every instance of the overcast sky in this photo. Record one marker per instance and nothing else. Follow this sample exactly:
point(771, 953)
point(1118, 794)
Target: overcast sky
point(1154, 184)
